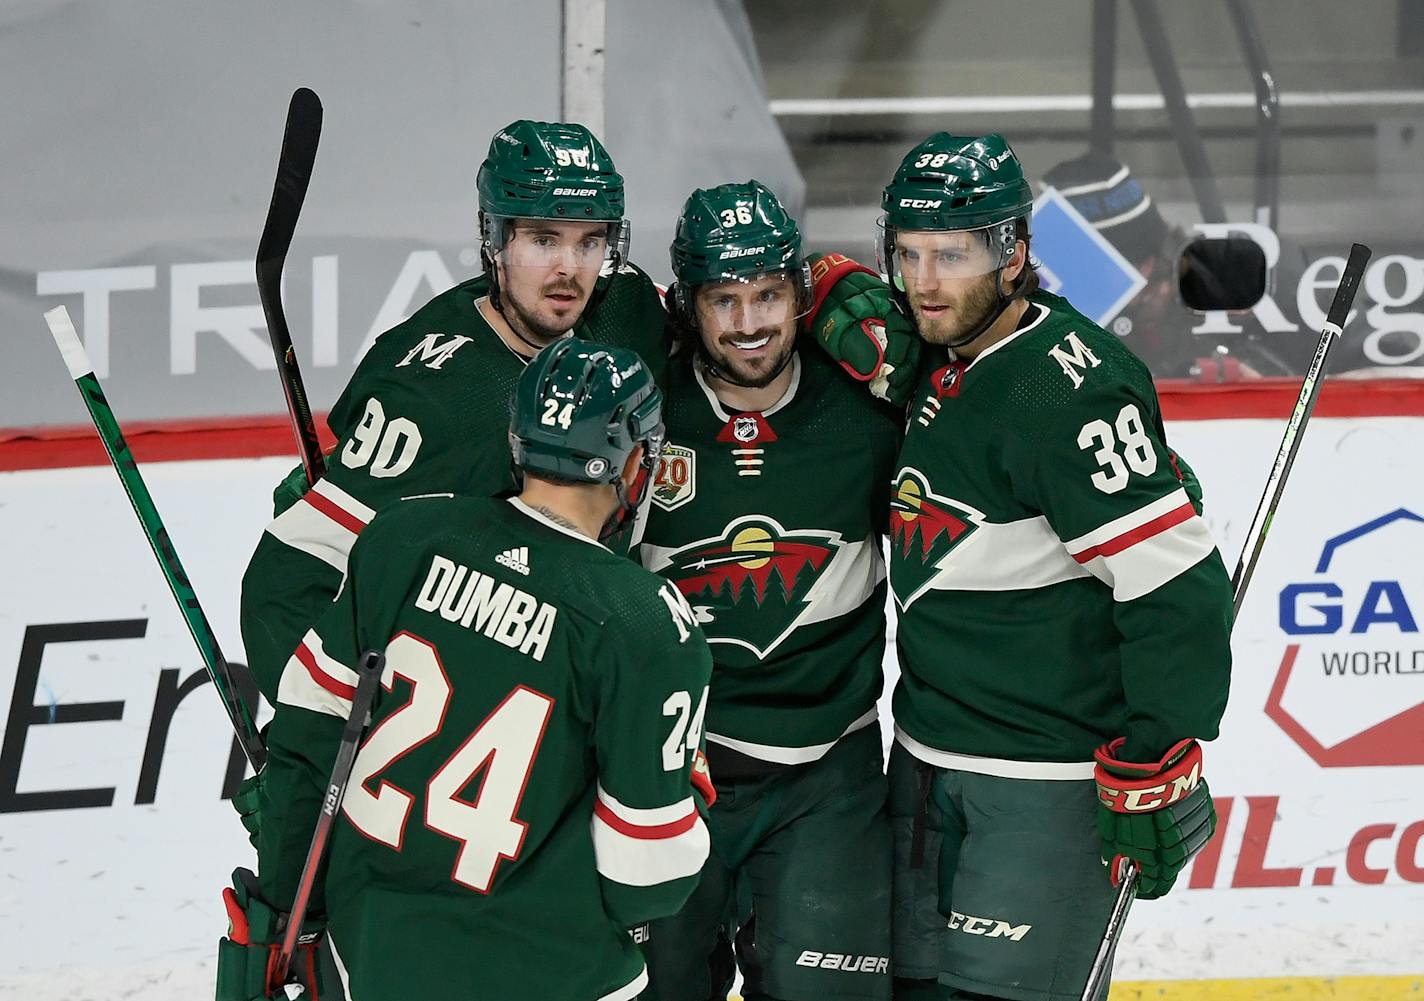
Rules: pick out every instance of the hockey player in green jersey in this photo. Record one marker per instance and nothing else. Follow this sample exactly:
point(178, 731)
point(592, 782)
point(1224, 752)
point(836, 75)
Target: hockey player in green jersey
point(428, 407)
point(769, 511)
point(1064, 615)
point(523, 795)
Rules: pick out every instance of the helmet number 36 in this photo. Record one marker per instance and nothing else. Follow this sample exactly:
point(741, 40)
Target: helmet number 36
point(1137, 454)
point(740, 216)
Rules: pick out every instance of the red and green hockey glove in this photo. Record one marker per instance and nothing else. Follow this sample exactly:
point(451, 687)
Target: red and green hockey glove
point(856, 320)
point(702, 779)
point(1159, 814)
point(247, 955)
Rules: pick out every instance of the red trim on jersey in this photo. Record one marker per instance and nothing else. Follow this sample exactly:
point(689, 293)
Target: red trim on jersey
point(351, 522)
point(323, 679)
point(1133, 536)
point(642, 832)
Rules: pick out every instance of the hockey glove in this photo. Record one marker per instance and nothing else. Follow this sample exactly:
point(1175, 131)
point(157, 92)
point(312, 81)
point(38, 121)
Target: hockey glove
point(293, 488)
point(856, 320)
point(245, 802)
point(702, 779)
point(1158, 814)
point(247, 955)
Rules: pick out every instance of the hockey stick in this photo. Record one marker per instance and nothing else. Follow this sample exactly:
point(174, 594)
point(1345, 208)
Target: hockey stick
point(1350, 276)
point(373, 662)
point(82, 372)
point(294, 168)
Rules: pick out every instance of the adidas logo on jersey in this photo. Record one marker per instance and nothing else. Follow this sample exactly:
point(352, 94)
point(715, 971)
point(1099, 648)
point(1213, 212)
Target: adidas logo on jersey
point(500, 611)
point(517, 559)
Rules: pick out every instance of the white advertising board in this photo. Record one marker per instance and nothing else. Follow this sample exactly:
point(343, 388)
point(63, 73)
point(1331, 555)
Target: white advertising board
point(115, 839)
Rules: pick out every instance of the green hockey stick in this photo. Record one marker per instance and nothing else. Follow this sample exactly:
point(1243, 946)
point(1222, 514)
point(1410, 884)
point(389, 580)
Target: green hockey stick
point(82, 372)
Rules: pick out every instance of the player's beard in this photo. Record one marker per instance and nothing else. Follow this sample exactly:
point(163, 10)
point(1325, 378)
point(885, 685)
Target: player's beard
point(539, 329)
point(967, 311)
point(756, 372)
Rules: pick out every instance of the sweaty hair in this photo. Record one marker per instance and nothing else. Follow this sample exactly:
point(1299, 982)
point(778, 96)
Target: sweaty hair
point(1027, 282)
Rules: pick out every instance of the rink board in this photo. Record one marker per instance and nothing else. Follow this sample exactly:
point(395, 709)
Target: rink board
point(115, 840)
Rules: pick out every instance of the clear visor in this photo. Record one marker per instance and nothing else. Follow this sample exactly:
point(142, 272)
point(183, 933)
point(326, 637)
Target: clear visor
point(928, 256)
point(750, 304)
point(557, 245)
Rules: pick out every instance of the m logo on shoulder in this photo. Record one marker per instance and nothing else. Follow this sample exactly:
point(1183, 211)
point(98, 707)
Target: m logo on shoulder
point(516, 559)
point(432, 353)
point(1073, 357)
point(681, 611)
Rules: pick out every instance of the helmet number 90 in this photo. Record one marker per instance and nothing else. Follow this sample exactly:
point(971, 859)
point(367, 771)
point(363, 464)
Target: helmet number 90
point(740, 216)
point(932, 160)
point(553, 415)
point(570, 157)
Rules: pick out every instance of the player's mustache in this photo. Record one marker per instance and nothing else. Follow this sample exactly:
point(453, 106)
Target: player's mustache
point(742, 335)
point(564, 288)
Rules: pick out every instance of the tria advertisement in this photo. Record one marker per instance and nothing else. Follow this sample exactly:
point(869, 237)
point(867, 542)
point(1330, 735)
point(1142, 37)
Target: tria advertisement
point(116, 760)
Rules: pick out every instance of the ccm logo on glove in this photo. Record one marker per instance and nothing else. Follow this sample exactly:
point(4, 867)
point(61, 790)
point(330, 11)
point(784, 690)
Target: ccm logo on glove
point(1160, 783)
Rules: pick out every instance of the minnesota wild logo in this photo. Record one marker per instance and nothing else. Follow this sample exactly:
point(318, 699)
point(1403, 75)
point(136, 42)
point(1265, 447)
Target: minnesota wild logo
point(753, 584)
point(924, 528)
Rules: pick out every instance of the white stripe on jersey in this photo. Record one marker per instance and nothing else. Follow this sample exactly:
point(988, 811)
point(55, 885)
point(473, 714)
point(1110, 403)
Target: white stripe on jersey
point(1141, 551)
point(790, 755)
point(313, 680)
point(630, 990)
point(1004, 556)
point(638, 847)
point(309, 525)
point(1004, 768)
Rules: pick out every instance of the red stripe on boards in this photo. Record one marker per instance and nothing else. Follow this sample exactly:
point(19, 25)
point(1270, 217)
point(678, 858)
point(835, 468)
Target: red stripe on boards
point(1133, 536)
point(656, 832)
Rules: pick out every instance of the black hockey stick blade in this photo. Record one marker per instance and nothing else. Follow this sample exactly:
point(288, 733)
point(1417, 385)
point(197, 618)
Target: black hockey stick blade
point(294, 170)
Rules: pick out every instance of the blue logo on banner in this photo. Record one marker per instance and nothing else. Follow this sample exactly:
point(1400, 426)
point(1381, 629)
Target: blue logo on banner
point(1078, 262)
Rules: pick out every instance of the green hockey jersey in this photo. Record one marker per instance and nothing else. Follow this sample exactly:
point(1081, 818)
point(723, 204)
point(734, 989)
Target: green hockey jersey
point(427, 411)
point(772, 525)
point(1055, 583)
point(522, 796)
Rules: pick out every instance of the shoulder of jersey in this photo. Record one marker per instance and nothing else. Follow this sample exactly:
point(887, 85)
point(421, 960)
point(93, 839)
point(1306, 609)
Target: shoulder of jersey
point(1066, 361)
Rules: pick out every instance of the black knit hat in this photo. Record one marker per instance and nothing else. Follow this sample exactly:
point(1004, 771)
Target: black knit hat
point(1108, 196)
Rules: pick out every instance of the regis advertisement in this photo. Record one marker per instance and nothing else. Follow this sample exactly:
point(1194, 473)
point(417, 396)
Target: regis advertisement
point(116, 761)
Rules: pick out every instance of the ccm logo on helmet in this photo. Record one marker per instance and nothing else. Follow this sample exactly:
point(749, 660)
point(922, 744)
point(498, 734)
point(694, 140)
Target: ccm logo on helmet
point(920, 203)
point(576, 192)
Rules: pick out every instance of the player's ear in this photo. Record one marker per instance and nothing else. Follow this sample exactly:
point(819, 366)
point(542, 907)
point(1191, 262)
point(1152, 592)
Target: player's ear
point(631, 467)
point(1016, 263)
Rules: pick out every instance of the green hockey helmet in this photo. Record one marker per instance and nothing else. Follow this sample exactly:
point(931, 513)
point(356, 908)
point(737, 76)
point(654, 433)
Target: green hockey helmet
point(579, 410)
point(739, 233)
point(957, 183)
point(554, 171)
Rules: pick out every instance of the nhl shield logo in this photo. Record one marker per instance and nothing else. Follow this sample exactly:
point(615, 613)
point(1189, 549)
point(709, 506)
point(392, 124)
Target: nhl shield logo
point(675, 482)
point(745, 429)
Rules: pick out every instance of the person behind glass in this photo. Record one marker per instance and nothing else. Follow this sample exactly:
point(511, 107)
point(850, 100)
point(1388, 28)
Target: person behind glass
point(1157, 324)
